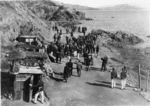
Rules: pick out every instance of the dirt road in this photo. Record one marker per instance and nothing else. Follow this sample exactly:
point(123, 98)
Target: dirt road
point(91, 89)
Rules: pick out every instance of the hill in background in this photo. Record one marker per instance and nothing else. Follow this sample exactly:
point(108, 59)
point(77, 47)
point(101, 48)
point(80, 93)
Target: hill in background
point(32, 17)
point(122, 7)
point(36, 17)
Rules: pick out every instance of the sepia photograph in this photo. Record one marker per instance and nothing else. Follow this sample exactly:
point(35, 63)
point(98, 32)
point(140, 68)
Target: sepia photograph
point(75, 52)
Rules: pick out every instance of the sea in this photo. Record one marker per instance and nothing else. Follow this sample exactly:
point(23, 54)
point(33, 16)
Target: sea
point(135, 22)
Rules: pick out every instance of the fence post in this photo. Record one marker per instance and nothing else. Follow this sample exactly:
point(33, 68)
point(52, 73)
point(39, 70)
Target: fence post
point(147, 82)
point(139, 76)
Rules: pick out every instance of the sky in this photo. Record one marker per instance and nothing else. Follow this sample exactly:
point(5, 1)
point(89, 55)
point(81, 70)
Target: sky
point(105, 3)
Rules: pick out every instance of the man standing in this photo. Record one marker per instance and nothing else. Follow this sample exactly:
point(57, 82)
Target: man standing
point(79, 30)
point(123, 76)
point(113, 78)
point(71, 34)
point(55, 37)
point(40, 86)
point(88, 60)
point(70, 65)
point(83, 30)
point(79, 68)
point(104, 63)
point(59, 55)
point(85, 55)
point(97, 50)
point(66, 70)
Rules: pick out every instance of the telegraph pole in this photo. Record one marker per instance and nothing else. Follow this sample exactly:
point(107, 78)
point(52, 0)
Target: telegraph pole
point(139, 75)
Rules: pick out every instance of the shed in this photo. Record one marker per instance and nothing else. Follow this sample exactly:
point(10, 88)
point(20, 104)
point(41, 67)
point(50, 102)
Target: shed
point(26, 39)
point(26, 69)
point(24, 77)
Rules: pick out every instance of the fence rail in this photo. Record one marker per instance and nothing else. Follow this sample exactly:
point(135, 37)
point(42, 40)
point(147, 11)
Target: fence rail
point(146, 79)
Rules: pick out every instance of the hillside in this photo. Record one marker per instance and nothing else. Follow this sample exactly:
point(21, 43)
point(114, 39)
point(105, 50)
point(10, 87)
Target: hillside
point(78, 7)
point(122, 7)
point(30, 18)
point(17, 19)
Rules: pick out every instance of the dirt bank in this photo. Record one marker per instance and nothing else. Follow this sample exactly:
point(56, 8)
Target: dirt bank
point(119, 47)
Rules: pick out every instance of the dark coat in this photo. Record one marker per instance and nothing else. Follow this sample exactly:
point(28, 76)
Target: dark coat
point(97, 49)
point(66, 70)
point(123, 75)
point(88, 60)
point(70, 65)
point(113, 74)
point(85, 55)
point(39, 85)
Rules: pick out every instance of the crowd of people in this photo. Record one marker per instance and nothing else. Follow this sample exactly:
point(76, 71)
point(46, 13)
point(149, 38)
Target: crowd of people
point(84, 46)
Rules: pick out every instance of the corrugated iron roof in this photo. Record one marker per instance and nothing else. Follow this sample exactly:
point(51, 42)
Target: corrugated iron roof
point(30, 70)
point(27, 36)
point(23, 45)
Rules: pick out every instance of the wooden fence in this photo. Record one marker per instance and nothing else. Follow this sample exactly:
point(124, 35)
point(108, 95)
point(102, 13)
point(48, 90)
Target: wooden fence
point(144, 81)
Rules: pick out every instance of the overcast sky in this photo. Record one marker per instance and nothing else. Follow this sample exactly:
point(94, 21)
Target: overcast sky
point(104, 3)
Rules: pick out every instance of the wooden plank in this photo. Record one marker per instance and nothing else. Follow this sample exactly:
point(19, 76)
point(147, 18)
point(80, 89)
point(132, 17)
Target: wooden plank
point(31, 90)
point(30, 70)
point(17, 90)
point(22, 77)
point(21, 89)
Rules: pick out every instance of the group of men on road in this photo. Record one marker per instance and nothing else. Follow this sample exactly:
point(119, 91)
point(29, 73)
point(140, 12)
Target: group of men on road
point(114, 77)
point(83, 45)
point(79, 45)
point(68, 69)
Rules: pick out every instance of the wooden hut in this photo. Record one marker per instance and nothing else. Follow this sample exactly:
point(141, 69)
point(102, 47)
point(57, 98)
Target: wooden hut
point(27, 39)
point(26, 70)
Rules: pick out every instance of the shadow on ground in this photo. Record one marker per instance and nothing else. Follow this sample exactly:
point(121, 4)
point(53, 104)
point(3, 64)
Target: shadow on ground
point(95, 69)
point(57, 79)
point(105, 82)
point(99, 84)
point(58, 73)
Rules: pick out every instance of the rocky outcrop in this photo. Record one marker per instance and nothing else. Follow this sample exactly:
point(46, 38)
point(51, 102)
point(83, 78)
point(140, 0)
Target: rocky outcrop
point(118, 36)
point(44, 9)
point(63, 14)
point(49, 10)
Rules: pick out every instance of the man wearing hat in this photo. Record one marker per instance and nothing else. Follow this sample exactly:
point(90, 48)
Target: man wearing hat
point(79, 68)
